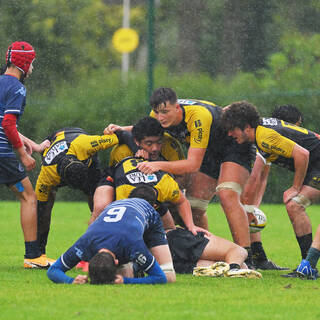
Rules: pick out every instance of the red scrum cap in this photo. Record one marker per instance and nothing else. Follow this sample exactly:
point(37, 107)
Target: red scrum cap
point(21, 54)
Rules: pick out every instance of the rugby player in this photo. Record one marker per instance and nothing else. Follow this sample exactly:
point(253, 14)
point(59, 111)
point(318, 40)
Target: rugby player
point(70, 160)
point(214, 160)
point(260, 173)
point(19, 59)
point(122, 233)
point(289, 146)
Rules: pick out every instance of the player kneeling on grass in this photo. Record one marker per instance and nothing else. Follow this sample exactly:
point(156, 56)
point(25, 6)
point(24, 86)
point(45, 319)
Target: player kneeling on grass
point(121, 234)
point(199, 255)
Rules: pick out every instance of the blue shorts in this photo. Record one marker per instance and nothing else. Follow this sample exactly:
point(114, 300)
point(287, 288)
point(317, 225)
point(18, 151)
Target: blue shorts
point(11, 171)
point(155, 236)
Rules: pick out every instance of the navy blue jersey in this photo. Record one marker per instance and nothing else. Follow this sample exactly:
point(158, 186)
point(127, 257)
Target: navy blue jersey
point(13, 101)
point(119, 228)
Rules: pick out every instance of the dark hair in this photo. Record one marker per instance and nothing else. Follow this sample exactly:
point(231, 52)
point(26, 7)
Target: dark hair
point(73, 172)
point(145, 192)
point(102, 268)
point(162, 95)
point(147, 127)
point(288, 113)
point(239, 115)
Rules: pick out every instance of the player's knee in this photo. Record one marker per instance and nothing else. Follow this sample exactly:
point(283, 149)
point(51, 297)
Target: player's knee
point(229, 194)
point(198, 205)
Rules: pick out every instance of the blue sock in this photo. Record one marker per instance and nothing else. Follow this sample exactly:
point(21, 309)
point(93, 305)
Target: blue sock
point(313, 256)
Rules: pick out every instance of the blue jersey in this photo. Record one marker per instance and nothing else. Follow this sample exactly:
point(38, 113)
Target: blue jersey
point(119, 228)
point(12, 100)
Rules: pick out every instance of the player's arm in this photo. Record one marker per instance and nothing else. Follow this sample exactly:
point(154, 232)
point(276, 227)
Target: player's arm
point(301, 161)
point(185, 213)
point(9, 124)
point(191, 164)
point(111, 128)
point(155, 275)
point(32, 146)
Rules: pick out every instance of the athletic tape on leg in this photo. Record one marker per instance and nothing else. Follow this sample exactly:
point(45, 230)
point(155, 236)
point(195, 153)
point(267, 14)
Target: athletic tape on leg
point(231, 186)
point(302, 200)
point(197, 203)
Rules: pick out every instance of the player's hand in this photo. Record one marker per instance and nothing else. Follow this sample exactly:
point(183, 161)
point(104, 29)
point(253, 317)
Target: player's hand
point(149, 167)
point(28, 161)
point(43, 145)
point(252, 218)
point(80, 279)
point(27, 147)
point(142, 154)
point(118, 279)
point(289, 194)
point(195, 229)
point(111, 128)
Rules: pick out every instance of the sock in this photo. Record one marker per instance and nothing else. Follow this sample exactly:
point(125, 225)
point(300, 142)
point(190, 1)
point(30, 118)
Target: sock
point(258, 254)
point(313, 256)
point(43, 238)
point(248, 261)
point(234, 266)
point(32, 250)
point(304, 243)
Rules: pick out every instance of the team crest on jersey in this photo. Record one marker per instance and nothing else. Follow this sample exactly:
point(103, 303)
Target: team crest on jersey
point(141, 259)
point(79, 252)
point(139, 177)
point(55, 150)
point(269, 122)
point(22, 91)
point(199, 136)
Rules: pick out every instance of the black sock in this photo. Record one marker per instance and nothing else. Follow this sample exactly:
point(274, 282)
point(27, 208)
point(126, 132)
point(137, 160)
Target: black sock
point(305, 243)
point(234, 266)
point(248, 261)
point(258, 254)
point(43, 238)
point(32, 250)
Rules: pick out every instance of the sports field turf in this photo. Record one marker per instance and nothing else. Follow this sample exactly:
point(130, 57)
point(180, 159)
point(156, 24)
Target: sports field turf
point(28, 294)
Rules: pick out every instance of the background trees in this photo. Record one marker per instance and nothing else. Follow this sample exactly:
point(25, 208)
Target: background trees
point(224, 50)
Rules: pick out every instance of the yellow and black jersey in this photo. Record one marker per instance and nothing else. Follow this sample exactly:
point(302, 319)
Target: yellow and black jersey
point(200, 122)
point(275, 140)
point(127, 177)
point(69, 141)
point(171, 150)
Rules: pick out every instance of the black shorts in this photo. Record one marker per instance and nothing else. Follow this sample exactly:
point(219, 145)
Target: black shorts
point(227, 150)
point(312, 178)
point(11, 171)
point(106, 178)
point(186, 249)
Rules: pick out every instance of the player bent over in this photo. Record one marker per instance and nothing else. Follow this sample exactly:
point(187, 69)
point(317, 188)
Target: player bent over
point(19, 58)
point(121, 234)
point(290, 146)
point(70, 160)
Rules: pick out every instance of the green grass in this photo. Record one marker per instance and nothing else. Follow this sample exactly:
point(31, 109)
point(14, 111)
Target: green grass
point(28, 294)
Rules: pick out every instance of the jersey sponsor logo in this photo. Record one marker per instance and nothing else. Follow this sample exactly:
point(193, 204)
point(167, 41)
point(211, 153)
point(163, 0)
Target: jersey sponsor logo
point(265, 145)
point(43, 189)
point(95, 143)
point(55, 150)
point(269, 121)
point(184, 101)
point(22, 91)
point(277, 149)
point(197, 123)
point(199, 137)
point(141, 259)
point(138, 177)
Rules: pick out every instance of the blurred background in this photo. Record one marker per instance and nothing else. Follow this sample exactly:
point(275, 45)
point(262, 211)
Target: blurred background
point(266, 52)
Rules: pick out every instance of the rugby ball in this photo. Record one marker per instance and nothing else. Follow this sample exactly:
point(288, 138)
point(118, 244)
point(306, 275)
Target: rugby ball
point(262, 221)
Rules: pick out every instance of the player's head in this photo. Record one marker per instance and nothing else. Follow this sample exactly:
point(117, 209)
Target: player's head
point(21, 54)
point(164, 104)
point(148, 135)
point(102, 268)
point(145, 192)
point(73, 172)
point(288, 113)
point(239, 118)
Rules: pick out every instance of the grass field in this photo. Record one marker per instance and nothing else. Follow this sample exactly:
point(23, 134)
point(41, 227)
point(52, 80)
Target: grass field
point(28, 294)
